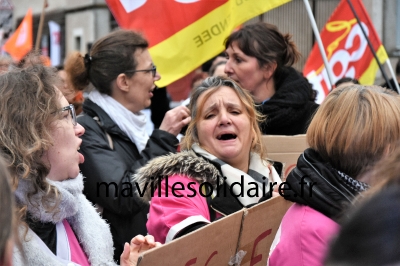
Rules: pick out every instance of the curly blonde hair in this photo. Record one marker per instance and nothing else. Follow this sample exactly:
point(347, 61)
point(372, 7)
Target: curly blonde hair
point(29, 102)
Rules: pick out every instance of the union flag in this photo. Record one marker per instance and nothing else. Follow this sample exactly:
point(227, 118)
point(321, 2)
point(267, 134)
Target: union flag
point(185, 33)
point(346, 49)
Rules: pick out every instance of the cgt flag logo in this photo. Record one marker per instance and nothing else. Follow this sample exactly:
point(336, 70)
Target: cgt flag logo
point(20, 43)
point(346, 49)
point(183, 34)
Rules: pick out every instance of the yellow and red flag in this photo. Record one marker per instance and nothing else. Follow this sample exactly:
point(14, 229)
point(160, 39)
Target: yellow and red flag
point(346, 49)
point(185, 33)
point(20, 43)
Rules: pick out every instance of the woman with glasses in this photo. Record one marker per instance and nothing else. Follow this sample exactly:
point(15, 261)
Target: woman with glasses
point(115, 144)
point(40, 141)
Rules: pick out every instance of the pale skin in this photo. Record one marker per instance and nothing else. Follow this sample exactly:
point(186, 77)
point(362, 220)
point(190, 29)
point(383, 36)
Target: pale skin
point(135, 93)
point(247, 72)
point(138, 245)
point(223, 114)
point(63, 159)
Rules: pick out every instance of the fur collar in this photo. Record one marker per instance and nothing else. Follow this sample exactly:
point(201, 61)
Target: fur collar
point(90, 229)
point(183, 163)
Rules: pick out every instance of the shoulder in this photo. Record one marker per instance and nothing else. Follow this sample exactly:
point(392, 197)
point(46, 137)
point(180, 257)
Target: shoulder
point(184, 163)
point(305, 234)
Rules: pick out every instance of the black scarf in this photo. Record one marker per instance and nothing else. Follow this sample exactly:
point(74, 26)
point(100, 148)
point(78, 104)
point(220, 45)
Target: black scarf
point(331, 190)
point(290, 105)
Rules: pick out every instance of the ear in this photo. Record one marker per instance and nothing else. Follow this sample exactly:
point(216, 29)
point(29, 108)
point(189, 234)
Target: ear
point(122, 82)
point(269, 70)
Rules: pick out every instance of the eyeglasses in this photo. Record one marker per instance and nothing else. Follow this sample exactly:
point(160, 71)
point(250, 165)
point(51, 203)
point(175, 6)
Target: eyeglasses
point(153, 70)
point(71, 110)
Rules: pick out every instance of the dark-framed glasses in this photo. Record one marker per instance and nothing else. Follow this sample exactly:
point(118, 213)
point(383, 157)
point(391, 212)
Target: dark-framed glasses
point(153, 70)
point(71, 110)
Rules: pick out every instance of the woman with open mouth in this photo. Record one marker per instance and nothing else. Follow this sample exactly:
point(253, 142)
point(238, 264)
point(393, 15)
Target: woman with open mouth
point(40, 141)
point(221, 169)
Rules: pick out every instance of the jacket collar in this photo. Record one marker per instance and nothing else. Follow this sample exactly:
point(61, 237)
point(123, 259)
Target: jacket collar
point(105, 122)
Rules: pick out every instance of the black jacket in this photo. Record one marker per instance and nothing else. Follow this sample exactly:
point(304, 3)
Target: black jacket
point(122, 209)
point(290, 109)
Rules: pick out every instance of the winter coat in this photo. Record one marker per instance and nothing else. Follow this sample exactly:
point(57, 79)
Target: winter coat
point(176, 212)
point(108, 171)
point(90, 230)
point(303, 237)
point(290, 110)
point(321, 195)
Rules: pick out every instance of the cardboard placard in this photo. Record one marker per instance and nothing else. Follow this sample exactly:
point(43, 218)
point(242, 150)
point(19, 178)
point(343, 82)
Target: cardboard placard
point(209, 245)
point(251, 230)
point(259, 228)
point(285, 149)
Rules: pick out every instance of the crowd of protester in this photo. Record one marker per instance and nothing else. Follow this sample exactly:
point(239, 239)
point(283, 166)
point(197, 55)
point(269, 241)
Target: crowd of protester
point(75, 172)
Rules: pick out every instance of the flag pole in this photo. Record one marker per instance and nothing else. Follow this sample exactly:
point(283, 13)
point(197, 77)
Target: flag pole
point(396, 84)
point(319, 42)
point(369, 44)
point(41, 21)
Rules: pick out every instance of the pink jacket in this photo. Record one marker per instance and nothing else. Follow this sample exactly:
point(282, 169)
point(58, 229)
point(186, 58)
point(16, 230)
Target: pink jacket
point(302, 238)
point(169, 214)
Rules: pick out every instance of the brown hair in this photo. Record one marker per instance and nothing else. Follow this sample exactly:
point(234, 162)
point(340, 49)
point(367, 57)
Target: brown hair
point(108, 57)
point(266, 43)
point(28, 106)
point(355, 126)
point(209, 86)
point(6, 210)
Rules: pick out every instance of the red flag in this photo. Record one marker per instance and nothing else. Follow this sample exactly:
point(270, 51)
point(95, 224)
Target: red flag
point(346, 49)
point(185, 33)
point(20, 43)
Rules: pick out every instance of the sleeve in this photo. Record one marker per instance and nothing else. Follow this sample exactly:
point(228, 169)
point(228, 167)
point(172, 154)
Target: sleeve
point(172, 210)
point(108, 178)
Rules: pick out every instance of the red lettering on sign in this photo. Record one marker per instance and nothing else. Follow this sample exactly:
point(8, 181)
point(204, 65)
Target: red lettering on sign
point(258, 258)
point(212, 255)
point(191, 262)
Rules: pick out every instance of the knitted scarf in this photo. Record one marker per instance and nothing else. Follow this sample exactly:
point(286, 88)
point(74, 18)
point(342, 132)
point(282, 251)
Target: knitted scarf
point(317, 184)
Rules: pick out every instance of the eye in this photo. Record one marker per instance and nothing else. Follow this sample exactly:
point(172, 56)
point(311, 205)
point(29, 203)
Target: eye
point(209, 116)
point(65, 115)
point(238, 60)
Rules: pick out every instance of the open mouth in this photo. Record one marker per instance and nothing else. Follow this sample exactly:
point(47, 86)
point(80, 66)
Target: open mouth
point(226, 136)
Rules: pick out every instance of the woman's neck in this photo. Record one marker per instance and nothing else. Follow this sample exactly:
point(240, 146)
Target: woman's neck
point(265, 92)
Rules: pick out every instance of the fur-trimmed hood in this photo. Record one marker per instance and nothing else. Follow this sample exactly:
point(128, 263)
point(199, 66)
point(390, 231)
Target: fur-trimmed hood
point(184, 163)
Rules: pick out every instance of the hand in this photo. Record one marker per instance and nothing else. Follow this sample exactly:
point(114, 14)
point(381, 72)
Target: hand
point(138, 245)
point(175, 119)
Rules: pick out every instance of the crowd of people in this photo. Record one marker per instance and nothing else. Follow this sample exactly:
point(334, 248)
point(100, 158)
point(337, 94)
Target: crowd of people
point(92, 189)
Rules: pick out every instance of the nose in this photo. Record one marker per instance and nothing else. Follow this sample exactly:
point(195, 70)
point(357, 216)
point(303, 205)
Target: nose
point(79, 130)
point(228, 68)
point(224, 118)
point(157, 76)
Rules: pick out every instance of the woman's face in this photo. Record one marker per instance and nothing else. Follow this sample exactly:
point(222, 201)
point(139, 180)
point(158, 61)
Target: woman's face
point(63, 156)
point(245, 70)
point(141, 84)
point(224, 128)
